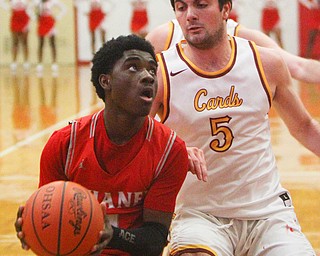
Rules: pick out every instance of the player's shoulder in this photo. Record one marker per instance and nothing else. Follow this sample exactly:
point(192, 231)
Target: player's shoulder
point(158, 36)
point(270, 57)
point(75, 125)
point(163, 131)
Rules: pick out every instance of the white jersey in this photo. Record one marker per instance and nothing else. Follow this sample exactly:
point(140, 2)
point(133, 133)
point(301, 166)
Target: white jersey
point(225, 113)
point(175, 34)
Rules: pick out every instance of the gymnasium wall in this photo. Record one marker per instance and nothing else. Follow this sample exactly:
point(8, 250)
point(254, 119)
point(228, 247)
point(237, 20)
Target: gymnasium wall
point(65, 39)
point(250, 16)
point(309, 19)
point(118, 22)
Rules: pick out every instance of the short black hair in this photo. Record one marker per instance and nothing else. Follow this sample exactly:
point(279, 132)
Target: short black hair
point(221, 3)
point(110, 52)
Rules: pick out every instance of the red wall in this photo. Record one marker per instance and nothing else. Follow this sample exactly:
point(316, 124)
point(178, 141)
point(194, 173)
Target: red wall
point(309, 19)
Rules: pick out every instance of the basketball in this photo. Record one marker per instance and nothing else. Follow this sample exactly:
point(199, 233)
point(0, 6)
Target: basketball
point(62, 218)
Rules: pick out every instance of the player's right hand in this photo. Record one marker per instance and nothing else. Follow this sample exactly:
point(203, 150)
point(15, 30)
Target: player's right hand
point(105, 235)
point(197, 163)
point(18, 226)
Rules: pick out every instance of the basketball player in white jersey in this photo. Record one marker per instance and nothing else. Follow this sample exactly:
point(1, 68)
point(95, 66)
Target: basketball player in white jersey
point(216, 91)
point(303, 69)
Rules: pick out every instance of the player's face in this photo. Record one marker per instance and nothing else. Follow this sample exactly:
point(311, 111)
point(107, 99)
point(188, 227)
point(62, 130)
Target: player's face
point(133, 83)
point(202, 22)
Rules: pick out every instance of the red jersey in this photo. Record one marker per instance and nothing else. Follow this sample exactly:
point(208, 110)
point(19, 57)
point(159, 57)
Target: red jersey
point(146, 172)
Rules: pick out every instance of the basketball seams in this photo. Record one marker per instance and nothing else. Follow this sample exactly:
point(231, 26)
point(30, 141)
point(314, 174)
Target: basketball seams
point(61, 216)
point(48, 218)
point(34, 226)
point(87, 226)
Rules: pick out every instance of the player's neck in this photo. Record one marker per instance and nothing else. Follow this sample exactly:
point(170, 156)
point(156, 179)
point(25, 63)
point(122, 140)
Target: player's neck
point(211, 59)
point(120, 129)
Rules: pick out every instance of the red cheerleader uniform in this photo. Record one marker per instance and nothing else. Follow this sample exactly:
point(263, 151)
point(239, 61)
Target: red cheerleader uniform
point(270, 18)
point(19, 20)
point(46, 24)
point(139, 20)
point(96, 17)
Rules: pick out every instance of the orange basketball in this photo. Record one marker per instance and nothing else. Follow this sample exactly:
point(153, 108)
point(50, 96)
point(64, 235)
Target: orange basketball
point(62, 218)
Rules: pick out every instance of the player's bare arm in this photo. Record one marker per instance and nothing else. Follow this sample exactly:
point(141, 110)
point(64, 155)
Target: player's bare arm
point(300, 68)
point(287, 103)
point(159, 37)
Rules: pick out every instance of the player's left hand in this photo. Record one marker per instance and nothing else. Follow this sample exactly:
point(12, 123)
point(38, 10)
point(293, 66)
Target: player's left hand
point(105, 235)
point(18, 227)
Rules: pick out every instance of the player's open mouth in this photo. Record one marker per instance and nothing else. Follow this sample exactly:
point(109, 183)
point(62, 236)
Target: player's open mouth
point(147, 93)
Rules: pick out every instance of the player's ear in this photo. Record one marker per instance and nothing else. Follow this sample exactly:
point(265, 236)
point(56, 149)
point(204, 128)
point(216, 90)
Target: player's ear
point(104, 80)
point(226, 9)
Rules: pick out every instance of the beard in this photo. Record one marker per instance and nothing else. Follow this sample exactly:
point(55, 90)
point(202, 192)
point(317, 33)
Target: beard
point(208, 40)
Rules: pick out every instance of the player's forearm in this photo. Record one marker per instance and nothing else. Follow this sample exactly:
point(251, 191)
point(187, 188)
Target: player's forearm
point(150, 239)
point(309, 136)
point(311, 71)
point(302, 69)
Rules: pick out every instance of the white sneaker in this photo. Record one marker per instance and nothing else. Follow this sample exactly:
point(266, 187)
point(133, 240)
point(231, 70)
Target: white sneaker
point(13, 66)
point(39, 68)
point(54, 67)
point(26, 66)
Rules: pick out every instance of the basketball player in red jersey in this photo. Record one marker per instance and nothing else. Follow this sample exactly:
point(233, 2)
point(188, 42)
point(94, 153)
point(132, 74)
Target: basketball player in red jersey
point(134, 165)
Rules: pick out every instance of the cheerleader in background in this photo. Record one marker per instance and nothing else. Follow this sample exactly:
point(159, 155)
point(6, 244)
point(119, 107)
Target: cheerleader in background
point(21, 13)
point(139, 19)
point(270, 20)
point(97, 16)
point(46, 28)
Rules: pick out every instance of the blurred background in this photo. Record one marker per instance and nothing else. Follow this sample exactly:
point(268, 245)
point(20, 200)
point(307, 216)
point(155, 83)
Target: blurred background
point(33, 104)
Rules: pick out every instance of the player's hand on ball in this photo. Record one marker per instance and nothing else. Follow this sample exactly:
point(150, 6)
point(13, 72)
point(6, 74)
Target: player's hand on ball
point(105, 235)
point(18, 227)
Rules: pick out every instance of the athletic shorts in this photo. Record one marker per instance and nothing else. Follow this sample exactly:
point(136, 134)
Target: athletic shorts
point(193, 231)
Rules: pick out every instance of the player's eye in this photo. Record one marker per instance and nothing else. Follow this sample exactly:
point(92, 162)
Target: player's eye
point(180, 7)
point(133, 67)
point(153, 71)
point(202, 5)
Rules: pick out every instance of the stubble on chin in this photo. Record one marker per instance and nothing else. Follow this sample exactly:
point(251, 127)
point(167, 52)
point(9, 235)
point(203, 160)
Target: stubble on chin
point(206, 41)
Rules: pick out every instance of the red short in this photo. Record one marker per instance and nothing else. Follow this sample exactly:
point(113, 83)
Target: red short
point(270, 19)
point(95, 19)
point(45, 25)
point(139, 20)
point(19, 21)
